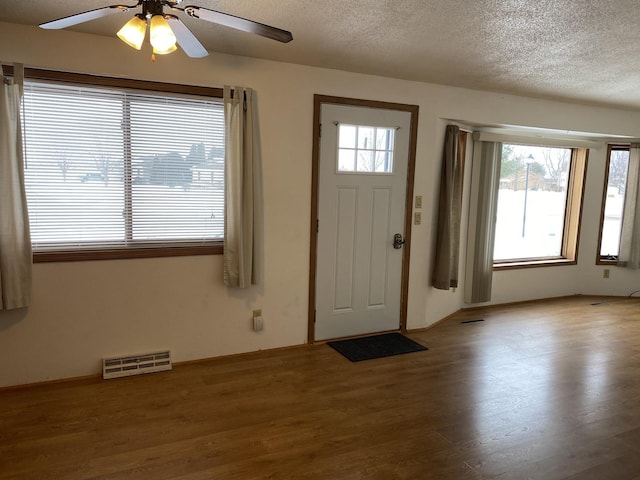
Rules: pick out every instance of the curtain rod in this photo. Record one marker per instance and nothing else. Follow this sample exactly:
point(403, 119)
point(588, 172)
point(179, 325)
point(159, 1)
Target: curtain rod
point(106, 81)
point(462, 127)
point(542, 141)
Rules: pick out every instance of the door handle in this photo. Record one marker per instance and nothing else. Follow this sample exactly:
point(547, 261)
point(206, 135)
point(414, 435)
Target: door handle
point(398, 241)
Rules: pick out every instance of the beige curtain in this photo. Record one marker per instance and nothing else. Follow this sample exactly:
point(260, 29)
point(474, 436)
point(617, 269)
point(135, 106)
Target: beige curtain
point(485, 179)
point(447, 251)
point(242, 189)
point(629, 255)
point(15, 239)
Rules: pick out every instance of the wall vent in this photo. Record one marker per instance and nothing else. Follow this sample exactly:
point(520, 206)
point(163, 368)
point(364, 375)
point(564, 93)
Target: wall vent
point(115, 367)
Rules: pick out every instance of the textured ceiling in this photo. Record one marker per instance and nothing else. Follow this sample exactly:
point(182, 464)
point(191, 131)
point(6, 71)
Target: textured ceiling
point(579, 50)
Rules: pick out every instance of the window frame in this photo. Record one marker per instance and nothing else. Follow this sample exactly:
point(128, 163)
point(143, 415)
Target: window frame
point(572, 219)
point(215, 247)
point(610, 148)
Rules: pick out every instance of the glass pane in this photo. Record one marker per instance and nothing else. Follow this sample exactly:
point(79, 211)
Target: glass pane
point(346, 160)
point(531, 202)
point(73, 167)
point(366, 138)
point(364, 161)
point(384, 138)
point(614, 203)
point(384, 162)
point(174, 194)
point(347, 136)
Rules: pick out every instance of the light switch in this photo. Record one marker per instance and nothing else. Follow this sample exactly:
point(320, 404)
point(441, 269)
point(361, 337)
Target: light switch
point(418, 201)
point(417, 218)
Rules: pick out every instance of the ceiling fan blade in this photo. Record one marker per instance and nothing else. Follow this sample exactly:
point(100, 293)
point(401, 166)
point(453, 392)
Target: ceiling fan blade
point(239, 23)
point(86, 16)
point(187, 40)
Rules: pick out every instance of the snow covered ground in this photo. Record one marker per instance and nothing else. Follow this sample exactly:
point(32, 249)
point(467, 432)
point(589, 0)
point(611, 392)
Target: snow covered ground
point(543, 224)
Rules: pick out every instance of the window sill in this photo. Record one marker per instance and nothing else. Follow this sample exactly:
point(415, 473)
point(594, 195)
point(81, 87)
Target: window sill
point(607, 261)
point(120, 254)
point(547, 262)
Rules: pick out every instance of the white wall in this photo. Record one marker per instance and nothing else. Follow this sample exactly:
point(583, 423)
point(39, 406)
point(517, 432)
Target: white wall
point(84, 311)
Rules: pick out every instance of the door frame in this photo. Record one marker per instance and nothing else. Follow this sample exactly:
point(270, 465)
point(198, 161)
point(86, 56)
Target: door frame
point(318, 101)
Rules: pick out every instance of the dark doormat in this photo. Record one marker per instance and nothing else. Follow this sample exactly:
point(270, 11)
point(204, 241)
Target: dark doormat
point(377, 346)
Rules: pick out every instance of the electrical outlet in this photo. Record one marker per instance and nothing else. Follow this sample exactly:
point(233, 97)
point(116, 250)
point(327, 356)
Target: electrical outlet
point(418, 201)
point(605, 273)
point(417, 220)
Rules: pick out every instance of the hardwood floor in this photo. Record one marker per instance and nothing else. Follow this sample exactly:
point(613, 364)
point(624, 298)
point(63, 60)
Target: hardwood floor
point(547, 390)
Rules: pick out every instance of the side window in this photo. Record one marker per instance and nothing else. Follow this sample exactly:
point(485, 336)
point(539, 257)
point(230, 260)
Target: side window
point(539, 202)
point(613, 203)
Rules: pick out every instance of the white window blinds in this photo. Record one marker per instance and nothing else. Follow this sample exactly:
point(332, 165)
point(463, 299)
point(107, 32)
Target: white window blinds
point(111, 168)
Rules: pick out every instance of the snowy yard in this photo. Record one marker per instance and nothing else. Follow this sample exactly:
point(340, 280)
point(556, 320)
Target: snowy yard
point(94, 212)
point(543, 224)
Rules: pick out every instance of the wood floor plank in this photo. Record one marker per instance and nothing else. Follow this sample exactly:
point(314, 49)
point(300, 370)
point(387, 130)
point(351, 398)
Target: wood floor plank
point(543, 390)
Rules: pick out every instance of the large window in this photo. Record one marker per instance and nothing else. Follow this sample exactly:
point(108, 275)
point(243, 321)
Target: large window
point(613, 202)
point(119, 171)
point(539, 202)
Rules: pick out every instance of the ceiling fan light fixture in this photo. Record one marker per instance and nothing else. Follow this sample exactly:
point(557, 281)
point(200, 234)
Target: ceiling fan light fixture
point(161, 36)
point(172, 48)
point(133, 32)
point(167, 30)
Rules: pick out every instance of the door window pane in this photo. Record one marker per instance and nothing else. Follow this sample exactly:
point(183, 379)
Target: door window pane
point(366, 138)
point(347, 136)
point(346, 160)
point(365, 149)
point(365, 161)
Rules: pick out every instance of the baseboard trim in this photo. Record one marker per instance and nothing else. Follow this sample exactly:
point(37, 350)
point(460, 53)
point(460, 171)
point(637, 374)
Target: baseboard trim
point(511, 304)
point(98, 376)
point(241, 354)
point(520, 302)
point(48, 383)
point(546, 299)
point(437, 322)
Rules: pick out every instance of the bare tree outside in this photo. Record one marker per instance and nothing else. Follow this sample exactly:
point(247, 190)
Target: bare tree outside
point(618, 167)
point(556, 161)
point(510, 165)
point(537, 173)
point(64, 163)
point(513, 169)
point(103, 165)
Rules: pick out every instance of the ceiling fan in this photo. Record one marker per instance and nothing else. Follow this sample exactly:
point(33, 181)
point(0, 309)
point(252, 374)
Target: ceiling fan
point(165, 30)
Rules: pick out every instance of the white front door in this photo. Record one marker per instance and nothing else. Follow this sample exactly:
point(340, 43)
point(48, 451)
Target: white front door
point(362, 181)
